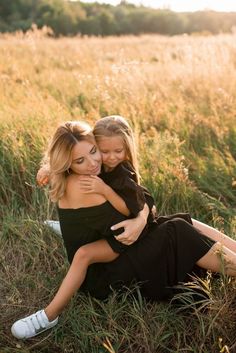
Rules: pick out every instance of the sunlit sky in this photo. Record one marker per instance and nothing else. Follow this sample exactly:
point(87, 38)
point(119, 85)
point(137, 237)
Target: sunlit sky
point(180, 5)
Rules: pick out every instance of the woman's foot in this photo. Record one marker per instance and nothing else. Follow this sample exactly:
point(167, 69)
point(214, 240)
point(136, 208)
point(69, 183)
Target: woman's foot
point(32, 325)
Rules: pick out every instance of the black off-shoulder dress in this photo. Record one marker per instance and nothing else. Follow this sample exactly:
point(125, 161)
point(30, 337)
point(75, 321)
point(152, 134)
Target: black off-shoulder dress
point(164, 255)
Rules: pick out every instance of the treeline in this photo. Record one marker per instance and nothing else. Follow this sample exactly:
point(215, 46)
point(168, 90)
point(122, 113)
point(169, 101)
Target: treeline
point(74, 17)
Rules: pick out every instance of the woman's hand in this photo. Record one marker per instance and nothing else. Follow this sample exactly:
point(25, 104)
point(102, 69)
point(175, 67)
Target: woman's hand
point(132, 230)
point(132, 227)
point(42, 176)
point(92, 184)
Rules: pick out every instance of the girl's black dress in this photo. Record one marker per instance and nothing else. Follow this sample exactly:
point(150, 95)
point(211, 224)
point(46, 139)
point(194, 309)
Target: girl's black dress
point(164, 255)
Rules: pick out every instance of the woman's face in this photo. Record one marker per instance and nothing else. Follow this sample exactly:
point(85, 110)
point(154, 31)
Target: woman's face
point(86, 158)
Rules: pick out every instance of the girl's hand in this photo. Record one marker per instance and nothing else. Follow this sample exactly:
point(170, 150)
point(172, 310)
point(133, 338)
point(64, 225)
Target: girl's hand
point(92, 184)
point(42, 176)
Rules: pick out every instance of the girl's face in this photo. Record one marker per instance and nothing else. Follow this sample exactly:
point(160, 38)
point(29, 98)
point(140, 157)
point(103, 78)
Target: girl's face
point(112, 150)
point(86, 159)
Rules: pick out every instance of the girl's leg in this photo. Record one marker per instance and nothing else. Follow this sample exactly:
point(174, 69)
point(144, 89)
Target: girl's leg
point(99, 251)
point(215, 234)
point(219, 259)
point(30, 326)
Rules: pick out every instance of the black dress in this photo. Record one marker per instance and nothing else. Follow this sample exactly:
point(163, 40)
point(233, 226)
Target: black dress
point(163, 256)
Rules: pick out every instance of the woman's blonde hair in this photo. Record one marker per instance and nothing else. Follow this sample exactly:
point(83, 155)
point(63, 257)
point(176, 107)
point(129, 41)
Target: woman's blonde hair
point(115, 125)
point(59, 153)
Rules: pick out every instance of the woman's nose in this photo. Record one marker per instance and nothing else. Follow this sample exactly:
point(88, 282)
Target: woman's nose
point(92, 162)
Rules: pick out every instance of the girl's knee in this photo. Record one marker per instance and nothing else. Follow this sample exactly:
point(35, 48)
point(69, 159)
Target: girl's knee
point(82, 255)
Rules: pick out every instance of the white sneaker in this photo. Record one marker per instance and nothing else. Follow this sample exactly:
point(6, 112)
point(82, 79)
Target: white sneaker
point(54, 225)
point(32, 325)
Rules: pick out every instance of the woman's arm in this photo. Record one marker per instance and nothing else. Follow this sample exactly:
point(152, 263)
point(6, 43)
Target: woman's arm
point(132, 227)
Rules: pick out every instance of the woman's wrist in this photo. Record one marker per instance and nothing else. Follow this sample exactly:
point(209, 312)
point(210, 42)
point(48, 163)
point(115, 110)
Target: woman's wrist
point(143, 215)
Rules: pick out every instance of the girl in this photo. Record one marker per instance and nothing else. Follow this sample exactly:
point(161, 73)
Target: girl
point(116, 144)
point(106, 131)
point(104, 250)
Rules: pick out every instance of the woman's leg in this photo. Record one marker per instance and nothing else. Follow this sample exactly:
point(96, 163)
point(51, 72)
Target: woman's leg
point(99, 251)
point(215, 234)
point(219, 259)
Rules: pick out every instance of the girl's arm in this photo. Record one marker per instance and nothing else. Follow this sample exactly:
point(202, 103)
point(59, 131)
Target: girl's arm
point(94, 184)
point(115, 200)
point(42, 176)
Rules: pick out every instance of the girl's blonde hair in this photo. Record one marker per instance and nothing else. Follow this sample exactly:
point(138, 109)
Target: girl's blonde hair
point(115, 125)
point(59, 153)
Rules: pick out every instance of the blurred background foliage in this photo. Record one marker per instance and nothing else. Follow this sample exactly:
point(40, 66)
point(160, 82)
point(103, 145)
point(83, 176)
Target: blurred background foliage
point(179, 94)
point(75, 17)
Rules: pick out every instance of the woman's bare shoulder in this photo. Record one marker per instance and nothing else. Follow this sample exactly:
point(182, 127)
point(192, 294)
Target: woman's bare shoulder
point(75, 198)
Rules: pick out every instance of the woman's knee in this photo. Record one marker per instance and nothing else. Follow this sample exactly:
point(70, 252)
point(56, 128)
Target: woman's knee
point(215, 259)
point(179, 223)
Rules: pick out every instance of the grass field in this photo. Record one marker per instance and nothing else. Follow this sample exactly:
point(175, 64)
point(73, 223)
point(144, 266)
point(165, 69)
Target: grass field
point(179, 94)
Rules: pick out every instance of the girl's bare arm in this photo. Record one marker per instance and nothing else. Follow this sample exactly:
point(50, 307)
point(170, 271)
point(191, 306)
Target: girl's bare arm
point(94, 184)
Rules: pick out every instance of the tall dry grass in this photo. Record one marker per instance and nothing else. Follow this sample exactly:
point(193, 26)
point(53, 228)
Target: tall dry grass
point(180, 95)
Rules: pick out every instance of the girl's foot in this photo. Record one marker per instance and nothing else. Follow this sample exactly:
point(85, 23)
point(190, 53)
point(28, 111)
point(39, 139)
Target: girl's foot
point(32, 325)
point(54, 225)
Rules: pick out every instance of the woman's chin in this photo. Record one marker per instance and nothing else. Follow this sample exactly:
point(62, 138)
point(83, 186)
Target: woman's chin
point(96, 171)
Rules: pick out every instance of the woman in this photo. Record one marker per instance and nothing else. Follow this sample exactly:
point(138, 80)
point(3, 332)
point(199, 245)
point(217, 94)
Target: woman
point(167, 252)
